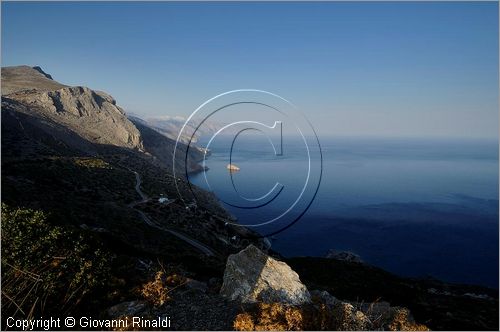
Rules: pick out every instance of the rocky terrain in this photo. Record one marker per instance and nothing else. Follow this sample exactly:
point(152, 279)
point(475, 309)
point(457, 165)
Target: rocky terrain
point(73, 163)
point(92, 225)
point(261, 293)
point(77, 119)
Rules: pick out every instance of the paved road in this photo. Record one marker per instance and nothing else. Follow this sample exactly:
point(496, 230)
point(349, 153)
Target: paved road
point(206, 250)
point(144, 198)
point(138, 187)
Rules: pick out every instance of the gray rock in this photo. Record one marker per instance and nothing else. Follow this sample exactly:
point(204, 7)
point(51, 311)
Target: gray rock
point(92, 114)
point(344, 256)
point(324, 297)
point(375, 309)
point(346, 316)
point(253, 276)
point(196, 285)
point(131, 308)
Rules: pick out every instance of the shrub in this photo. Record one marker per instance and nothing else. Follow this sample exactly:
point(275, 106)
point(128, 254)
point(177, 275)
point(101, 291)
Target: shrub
point(47, 269)
point(272, 317)
point(156, 291)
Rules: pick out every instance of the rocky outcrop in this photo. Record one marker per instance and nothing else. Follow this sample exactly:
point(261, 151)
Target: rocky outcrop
point(81, 119)
point(343, 315)
point(275, 299)
point(232, 168)
point(90, 114)
point(78, 117)
point(353, 316)
point(325, 313)
point(344, 256)
point(253, 276)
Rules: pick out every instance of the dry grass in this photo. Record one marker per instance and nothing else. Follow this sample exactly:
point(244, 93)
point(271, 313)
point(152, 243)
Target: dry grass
point(156, 291)
point(92, 163)
point(244, 322)
point(319, 316)
point(273, 317)
point(401, 320)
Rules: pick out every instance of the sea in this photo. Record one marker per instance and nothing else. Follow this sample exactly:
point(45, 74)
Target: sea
point(417, 207)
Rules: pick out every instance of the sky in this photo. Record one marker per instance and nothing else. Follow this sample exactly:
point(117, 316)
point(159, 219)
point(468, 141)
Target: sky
point(414, 69)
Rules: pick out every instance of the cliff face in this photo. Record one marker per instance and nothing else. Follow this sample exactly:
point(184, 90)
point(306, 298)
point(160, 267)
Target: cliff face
point(91, 115)
point(78, 119)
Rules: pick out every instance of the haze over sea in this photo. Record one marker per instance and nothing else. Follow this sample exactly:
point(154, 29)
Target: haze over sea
point(416, 207)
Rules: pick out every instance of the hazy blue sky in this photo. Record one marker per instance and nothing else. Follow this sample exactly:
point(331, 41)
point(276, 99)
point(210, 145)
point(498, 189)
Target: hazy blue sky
point(388, 69)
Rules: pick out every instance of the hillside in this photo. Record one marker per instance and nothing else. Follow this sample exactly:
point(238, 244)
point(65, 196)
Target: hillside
point(72, 155)
point(19, 78)
point(59, 118)
point(74, 146)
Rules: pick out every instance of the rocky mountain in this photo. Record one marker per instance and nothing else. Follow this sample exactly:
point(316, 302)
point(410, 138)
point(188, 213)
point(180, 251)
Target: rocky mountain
point(93, 116)
point(53, 116)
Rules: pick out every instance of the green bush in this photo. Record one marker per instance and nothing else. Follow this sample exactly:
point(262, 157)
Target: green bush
point(47, 269)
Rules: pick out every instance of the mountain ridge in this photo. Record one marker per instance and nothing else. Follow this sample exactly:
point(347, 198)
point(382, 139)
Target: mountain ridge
point(91, 119)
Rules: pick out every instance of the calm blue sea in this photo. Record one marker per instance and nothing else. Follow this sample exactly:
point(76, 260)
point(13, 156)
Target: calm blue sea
point(415, 207)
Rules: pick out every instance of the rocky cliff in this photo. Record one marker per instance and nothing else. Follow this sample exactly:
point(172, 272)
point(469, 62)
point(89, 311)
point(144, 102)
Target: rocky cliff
point(78, 119)
point(92, 115)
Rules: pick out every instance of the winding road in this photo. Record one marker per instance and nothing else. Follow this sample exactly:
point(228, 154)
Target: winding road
point(144, 198)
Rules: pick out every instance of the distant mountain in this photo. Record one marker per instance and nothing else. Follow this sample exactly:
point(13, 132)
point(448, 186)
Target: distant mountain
point(162, 146)
point(170, 126)
point(52, 117)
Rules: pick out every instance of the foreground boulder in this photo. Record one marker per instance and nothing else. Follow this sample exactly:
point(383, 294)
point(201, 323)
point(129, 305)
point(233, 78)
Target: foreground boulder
point(252, 276)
